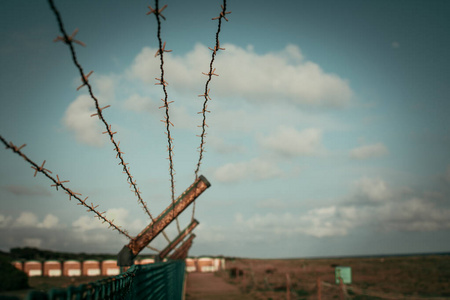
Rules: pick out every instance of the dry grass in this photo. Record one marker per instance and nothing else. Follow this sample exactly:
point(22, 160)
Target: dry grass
point(421, 277)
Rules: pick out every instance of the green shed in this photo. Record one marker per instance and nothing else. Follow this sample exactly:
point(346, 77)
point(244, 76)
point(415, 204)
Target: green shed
point(345, 273)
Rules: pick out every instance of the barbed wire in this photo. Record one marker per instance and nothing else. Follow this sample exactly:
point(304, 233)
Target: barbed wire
point(60, 183)
point(69, 40)
point(206, 96)
point(162, 48)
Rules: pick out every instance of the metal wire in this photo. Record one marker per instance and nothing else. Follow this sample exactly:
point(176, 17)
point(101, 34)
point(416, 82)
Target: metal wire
point(69, 41)
point(206, 96)
point(58, 183)
point(162, 48)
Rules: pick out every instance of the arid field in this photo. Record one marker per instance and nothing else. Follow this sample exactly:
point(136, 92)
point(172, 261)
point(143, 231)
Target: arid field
point(395, 277)
point(409, 277)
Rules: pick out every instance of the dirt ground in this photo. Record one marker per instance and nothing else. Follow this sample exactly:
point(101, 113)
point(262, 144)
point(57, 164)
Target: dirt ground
point(394, 278)
point(208, 286)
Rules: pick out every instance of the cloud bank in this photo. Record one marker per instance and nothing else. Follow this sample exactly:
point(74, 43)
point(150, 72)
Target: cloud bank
point(280, 76)
point(373, 205)
point(368, 151)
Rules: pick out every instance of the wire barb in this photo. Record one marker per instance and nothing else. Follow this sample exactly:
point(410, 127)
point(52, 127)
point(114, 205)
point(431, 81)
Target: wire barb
point(166, 103)
point(100, 111)
point(84, 79)
point(58, 183)
point(210, 74)
point(40, 169)
point(206, 95)
point(161, 82)
point(160, 52)
point(222, 14)
point(69, 40)
point(163, 49)
point(156, 11)
point(216, 47)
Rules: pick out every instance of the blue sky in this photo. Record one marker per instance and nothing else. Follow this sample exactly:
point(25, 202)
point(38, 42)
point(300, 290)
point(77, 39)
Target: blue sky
point(328, 133)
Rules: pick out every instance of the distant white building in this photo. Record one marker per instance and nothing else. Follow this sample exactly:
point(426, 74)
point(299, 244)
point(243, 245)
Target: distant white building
point(110, 268)
point(52, 268)
point(91, 268)
point(71, 268)
point(33, 268)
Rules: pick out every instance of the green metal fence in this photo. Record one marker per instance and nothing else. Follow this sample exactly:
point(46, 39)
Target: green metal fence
point(153, 281)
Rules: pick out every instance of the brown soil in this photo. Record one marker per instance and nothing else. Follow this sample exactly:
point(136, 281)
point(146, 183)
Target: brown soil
point(208, 286)
point(378, 278)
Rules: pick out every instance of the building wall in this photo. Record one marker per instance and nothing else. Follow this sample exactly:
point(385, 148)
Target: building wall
point(191, 265)
point(33, 268)
point(107, 267)
point(52, 268)
point(92, 268)
point(145, 261)
point(72, 268)
point(18, 265)
point(206, 264)
point(110, 268)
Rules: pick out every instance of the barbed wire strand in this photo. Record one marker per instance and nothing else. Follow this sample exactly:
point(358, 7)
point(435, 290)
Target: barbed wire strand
point(60, 183)
point(206, 96)
point(162, 48)
point(69, 40)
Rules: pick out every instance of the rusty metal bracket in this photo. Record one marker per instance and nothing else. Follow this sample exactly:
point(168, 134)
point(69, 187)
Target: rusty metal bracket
point(126, 256)
point(182, 251)
point(178, 239)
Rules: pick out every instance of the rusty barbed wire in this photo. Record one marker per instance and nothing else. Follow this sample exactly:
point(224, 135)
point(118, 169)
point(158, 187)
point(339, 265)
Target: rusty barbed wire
point(60, 183)
point(162, 48)
point(69, 40)
point(206, 96)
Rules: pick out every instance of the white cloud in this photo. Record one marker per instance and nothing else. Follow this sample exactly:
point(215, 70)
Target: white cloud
point(220, 146)
point(50, 221)
point(26, 219)
point(283, 76)
point(395, 45)
point(32, 242)
point(256, 169)
point(181, 118)
point(412, 213)
point(321, 222)
point(105, 88)
point(119, 216)
point(372, 189)
point(5, 221)
point(78, 119)
point(324, 222)
point(29, 219)
point(288, 141)
point(86, 223)
point(369, 151)
point(139, 103)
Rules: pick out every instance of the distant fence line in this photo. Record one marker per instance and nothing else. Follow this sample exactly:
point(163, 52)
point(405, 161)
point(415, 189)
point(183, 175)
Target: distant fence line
point(163, 280)
point(108, 267)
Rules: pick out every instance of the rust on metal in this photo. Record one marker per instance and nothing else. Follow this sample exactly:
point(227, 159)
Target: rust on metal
point(178, 239)
point(182, 251)
point(168, 215)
